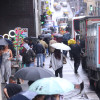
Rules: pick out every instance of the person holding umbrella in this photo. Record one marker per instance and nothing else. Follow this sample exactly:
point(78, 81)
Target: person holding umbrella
point(12, 88)
point(6, 64)
point(56, 62)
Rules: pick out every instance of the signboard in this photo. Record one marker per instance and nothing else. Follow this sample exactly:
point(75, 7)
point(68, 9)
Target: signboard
point(49, 12)
point(25, 32)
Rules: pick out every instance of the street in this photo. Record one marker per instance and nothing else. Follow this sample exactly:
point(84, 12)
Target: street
point(55, 22)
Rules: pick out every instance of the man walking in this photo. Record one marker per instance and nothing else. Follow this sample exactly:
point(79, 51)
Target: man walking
point(39, 50)
point(76, 50)
point(45, 45)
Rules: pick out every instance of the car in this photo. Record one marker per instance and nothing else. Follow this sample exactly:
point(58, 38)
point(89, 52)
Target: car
point(64, 4)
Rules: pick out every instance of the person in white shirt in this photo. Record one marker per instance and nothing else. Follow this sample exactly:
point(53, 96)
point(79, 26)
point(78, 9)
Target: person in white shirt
point(56, 62)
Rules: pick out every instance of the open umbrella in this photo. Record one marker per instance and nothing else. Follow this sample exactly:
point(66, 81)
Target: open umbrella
point(33, 73)
point(60, 46)
point(3, 42)
point(71, 41)
point(8, 41)
point(27, 95)
point(50, 86)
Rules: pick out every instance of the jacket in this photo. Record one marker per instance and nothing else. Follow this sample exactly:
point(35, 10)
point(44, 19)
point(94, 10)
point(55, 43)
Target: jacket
point(39, 48)
point(55, 63)
point(28, 56)
point(45, 45)
point(51, 48)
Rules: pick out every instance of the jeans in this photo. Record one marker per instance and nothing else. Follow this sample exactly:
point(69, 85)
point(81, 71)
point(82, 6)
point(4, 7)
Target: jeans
point(59, 71)
point(40, 57)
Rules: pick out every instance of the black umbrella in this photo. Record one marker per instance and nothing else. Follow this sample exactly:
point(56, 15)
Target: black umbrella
point(8, 41)
point(33, 73)
point(27, 95)
point(3, 42)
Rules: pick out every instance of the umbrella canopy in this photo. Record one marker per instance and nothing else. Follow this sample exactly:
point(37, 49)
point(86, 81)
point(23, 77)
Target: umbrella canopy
point(8, 41)
point(3, 42)
point(27, 95)
point(71, 41)
point(50, 86)
point(33, 73)
point(60, 46)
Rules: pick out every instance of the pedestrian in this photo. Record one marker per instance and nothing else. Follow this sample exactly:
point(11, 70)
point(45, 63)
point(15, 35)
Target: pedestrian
point(50, 43)
point(31, 44)
point(45, 45)
point(56, 62)
point(70, 51)
point(39, 50)
point(6, 64)
point(54, 97)
point(39, 97)
point(47, 39)
point(28, 56)
point(76, 50)
point(12, 88)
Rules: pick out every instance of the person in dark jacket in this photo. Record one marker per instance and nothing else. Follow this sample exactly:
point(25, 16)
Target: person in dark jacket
point(28, 56)
point(39, 50)
point(12, 88)
point(76, 50)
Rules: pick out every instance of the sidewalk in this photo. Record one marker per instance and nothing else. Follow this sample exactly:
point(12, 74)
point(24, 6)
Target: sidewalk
point(77, 79)
point(68, 73)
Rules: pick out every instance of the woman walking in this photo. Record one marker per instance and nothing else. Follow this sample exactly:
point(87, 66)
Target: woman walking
point(56, 62)
point(6, 64)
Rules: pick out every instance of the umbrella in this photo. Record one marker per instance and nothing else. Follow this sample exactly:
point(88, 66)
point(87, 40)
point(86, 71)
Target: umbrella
point(8, 41)
point(71, 41)
point(33, 73)
point(50, 86)
point(46, 35)
point(60, 46)
point(3, 42)
point(27, 95)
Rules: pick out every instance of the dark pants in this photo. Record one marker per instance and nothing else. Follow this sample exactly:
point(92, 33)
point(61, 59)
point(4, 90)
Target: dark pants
point(76, 64)
point(59, 71)
point(71, 55)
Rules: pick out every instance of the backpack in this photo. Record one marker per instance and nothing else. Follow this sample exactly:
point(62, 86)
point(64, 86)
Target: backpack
point(29, 56)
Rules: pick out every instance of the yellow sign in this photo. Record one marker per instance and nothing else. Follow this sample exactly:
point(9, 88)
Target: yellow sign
point(49, 12)
point(47, 8)
point(47, 2)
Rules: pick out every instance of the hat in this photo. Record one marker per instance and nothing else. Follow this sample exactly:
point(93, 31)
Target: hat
point(26, 46)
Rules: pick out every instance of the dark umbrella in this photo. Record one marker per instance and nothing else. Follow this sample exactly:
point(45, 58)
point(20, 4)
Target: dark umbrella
point(8, 41)
point(33, 73)
point(27, 95)
point(3, 42)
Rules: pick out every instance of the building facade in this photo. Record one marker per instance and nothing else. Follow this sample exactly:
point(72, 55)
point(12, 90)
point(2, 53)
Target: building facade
point(78, 7)
point(91, 7)
point(19, 13)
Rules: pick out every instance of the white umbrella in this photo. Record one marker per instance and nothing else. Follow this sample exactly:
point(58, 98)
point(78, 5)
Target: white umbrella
point(60, 46)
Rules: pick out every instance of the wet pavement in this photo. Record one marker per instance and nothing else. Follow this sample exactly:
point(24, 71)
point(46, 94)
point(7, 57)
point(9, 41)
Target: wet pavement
point(68, 73)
